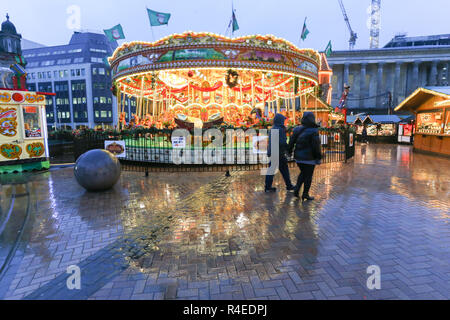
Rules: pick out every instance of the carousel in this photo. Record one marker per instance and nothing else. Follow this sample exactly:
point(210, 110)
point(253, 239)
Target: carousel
point(200, 80)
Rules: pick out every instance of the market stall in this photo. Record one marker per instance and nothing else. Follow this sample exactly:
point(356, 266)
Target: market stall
point(380, 128)
point(23, 131)
point(431, 107)
point(406, 130)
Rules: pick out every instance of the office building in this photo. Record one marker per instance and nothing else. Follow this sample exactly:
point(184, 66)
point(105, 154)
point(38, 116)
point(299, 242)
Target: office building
point(79, 75)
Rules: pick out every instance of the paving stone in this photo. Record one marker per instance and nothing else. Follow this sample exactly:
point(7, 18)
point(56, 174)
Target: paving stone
point(218, 237)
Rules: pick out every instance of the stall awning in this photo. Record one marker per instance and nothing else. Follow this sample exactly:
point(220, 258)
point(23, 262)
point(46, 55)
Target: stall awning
point(421, 95)
point(385, 119)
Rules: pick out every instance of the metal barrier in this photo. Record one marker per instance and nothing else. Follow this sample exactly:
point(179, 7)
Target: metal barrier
point(152, 150)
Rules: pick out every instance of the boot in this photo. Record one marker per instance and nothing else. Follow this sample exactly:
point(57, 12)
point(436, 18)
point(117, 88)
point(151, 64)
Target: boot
point(270, 189)
point(306, 197)
point(290, 188)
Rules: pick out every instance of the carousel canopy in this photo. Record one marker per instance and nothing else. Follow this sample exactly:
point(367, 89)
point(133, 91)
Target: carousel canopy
point(261, 63)
point(204, 75)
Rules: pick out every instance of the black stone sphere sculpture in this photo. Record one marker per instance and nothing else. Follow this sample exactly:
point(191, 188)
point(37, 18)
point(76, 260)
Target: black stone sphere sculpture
point(97, 170)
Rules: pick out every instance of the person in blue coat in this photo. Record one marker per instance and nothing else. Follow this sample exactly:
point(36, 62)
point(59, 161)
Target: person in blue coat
point(305, 143)
point(278, 124)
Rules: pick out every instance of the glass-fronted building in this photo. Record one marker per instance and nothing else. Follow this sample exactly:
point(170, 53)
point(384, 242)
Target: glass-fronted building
point(79, 74)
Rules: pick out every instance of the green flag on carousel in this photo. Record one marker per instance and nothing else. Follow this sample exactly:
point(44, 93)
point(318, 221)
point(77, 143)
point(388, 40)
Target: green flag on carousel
point(305, 31)
point(328, 49)
point(235, 23)
point(115, 33)
point(158, 18)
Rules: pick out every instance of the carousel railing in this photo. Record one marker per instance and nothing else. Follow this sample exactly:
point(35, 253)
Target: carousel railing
point(153, 148)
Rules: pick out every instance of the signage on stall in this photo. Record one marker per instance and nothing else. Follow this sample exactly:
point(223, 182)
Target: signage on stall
point(179, 142)
point(116, 147)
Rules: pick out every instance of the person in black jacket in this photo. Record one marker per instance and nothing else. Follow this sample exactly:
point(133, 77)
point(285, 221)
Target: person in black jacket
point(307, 152)
point(278, 124)
point(364, 134)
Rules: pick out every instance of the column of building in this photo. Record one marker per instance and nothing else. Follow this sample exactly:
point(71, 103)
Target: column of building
point(380, 90)
point(433, 73)
point(362, 85)
point(346, 75)
point(415, 77)
point(397, 88)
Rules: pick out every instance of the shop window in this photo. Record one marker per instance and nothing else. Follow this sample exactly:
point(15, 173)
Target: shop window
point(387, 129)
point(372, 130)
point(31, 122)
point(430, 122)
point(447, 122)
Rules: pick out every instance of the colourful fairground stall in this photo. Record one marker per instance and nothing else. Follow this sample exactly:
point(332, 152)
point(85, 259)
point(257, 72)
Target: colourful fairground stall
point(23, 131)
point(431, 106)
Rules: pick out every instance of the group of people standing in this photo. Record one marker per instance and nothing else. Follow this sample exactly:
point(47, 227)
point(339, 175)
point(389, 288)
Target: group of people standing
point(305, 145)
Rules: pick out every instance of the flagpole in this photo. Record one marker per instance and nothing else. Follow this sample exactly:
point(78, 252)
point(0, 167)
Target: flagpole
point(300, 39)
point(151, 27)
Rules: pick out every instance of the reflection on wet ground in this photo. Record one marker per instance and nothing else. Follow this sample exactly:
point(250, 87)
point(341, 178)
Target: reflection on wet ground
point(207, 236)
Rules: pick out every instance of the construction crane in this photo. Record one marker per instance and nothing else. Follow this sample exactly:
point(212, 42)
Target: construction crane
point(375, 18)
point(353, 35)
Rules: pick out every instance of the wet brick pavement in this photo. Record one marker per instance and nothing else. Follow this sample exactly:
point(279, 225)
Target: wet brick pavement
point(207, 236)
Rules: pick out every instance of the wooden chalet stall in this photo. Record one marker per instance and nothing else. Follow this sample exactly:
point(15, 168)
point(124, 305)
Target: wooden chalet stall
point(431, 107)
point(380, 128)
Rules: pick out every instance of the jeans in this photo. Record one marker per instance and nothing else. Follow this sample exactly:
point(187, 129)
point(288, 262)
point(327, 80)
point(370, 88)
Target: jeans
point(305, 177)
point(284, 170)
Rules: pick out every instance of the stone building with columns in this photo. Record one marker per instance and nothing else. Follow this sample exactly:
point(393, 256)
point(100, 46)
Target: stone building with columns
point(383, 77)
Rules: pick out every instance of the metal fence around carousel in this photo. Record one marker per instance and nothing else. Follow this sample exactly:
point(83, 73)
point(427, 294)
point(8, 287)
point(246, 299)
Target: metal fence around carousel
point(151, 150)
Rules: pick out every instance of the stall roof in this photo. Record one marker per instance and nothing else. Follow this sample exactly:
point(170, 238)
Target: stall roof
point(385, 118)
point(406, 119)
point(354, 118)
point(351, 119)
point(420, 96)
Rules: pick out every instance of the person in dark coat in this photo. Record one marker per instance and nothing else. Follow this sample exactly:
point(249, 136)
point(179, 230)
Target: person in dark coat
point(364, 134)
point(278, 124)
point(305, 143)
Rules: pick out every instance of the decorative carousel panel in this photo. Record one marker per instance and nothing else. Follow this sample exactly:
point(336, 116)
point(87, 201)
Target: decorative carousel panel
point(8, 121)
point(207, 50)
